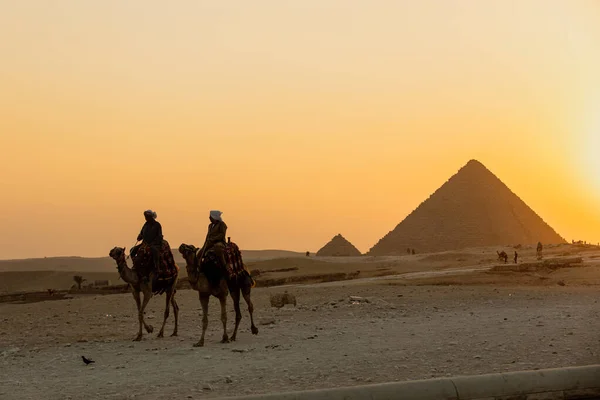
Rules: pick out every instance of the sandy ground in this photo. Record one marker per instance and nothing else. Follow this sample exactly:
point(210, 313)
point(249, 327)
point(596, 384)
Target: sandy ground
point(57, 273)
point(403, 333)
point(449, 314)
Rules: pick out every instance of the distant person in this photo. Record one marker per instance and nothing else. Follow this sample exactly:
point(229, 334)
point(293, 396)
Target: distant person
point(516, 257)
point(413, 252)
point(215, 237)
point(308, 254)
point(151, 235)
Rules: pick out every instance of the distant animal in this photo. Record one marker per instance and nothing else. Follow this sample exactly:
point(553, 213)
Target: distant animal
point(502, 255)
point(86, 361)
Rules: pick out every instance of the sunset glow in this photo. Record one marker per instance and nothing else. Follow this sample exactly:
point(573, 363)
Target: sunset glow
point(299, 120)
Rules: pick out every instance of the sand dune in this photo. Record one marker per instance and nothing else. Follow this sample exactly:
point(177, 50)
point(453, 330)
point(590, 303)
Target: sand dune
point(106, 264)
point(278, 267)
point(21, 281)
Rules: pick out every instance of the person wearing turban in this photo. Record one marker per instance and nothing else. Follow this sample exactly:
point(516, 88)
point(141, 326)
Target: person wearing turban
point(151, 235)
point(215, 238)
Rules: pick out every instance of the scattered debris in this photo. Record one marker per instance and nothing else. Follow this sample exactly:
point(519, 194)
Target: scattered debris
point(281, 299)
point(358, 300)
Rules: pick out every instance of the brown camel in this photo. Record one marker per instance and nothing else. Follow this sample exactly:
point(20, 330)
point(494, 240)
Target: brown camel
point(148, 287)
point(208, 279)
point(502, 255)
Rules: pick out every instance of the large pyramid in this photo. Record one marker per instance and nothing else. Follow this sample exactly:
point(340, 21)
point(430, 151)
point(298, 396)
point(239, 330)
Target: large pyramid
point(338, 247)
point(473, 208)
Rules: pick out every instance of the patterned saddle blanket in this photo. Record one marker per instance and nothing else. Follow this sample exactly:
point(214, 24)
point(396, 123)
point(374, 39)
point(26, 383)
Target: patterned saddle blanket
point(144, 262)
point(233, 256)
point(235, 267)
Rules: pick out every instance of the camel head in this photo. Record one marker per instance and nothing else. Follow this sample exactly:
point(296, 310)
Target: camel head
point(118, 254)
point(188, 252)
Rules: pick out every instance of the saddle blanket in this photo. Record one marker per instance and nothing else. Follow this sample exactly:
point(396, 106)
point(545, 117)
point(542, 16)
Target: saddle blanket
point(142, 257)
point(233, 256)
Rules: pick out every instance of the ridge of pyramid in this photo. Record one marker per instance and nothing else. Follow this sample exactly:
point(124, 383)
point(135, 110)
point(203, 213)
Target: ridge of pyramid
point(339, 246)
point(474, 163)
point(472, 208)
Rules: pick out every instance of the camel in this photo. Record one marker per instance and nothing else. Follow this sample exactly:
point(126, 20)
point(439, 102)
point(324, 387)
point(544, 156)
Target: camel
point(502, 255)
point(148, 287)
point(209, 280)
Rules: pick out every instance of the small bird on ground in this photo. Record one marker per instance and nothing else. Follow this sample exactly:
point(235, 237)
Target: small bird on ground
point(86, 361)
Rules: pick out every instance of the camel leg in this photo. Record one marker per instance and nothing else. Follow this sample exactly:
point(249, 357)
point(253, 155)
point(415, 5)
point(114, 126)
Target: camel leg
point(138, 302)
point(147, 296)
point(248, 300)
point(168, 296)
point(175, 311)
point(235, 296)
point(204, 298)
point(223, 300)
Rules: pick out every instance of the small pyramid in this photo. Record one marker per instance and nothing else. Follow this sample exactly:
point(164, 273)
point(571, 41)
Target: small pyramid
point(473, 208)
point(338, 247)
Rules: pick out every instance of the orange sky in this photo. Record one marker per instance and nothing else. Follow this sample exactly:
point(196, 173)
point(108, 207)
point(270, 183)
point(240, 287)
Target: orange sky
point(298, 120)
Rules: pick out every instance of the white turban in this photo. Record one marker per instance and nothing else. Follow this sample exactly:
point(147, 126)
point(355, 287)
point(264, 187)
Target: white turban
point(216, 215)
point(150, 213)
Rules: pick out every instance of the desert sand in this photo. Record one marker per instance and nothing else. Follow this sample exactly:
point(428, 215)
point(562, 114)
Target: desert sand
point(417, 317)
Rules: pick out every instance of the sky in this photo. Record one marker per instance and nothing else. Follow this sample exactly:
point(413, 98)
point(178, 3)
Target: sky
point(298, 119)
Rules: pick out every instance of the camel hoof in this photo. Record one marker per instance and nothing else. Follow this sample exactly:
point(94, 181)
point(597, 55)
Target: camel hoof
point(199, 344)
point(149, 329)
point(225, 339)
point(254, 330)
point(174, 334)
point(138, 338)
point(160, 334)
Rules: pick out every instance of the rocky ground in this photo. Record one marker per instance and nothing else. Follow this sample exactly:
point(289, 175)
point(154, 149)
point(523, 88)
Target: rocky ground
point(400, 333)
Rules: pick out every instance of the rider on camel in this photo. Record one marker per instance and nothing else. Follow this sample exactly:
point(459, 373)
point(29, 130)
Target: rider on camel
point(151, 235)
point(215, 238)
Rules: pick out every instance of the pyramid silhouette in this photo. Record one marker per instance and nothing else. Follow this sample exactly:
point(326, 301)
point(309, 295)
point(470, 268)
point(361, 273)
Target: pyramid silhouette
point(473, 208)
point(338, 247)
